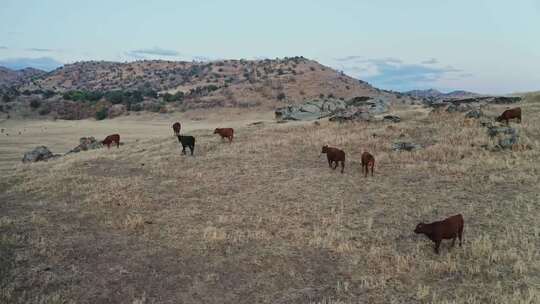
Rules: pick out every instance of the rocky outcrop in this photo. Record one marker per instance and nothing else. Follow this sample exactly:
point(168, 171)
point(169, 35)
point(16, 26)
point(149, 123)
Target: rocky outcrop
point(87, 143)
point(351, 115)
point(405, 146)
point(474, 114)
point(506, 137)
point(38, 154)
point(358, 108)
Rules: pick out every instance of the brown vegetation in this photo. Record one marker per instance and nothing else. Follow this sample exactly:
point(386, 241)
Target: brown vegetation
point(263, 221)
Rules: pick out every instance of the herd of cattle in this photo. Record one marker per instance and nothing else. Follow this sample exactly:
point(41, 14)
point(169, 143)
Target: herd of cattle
point(449, 228)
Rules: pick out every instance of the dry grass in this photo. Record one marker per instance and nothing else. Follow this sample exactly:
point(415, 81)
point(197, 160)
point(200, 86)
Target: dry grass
point(264, 220)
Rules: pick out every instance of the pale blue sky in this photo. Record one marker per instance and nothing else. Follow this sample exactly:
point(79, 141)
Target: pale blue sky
point(485, 46)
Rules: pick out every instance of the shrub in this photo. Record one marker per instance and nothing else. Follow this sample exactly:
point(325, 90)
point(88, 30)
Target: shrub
point(44, 111)
point(281, 96)
point(102, 113)
point(34, 104)
point(48, 94)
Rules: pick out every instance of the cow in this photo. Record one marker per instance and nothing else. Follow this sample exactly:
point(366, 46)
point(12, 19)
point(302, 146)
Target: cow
point(114, 138)
point(176, 128)
point(187, 141)
point(449, 228)
point(334, 155)
point(225, 133)
point(368, 162)
point(510, 114)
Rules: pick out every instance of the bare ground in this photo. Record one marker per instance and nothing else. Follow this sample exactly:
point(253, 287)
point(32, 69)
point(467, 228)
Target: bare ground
point(264, 220)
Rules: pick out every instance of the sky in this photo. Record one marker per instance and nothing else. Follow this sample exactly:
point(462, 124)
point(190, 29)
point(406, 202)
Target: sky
point(485, 46)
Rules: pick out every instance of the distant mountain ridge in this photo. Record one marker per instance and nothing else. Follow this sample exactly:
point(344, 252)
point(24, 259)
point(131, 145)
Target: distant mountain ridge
point(9, 77)
point(433, 93)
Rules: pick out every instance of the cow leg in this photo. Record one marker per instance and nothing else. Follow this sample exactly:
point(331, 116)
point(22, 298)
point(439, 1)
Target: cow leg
point(230, 139)
point(460, 234)
point(372, 167)
point(454, 241)
point(330, 163)
point(183, 149)
point(437, 245)
point(118, 144)
point(342, 166)
point(335, 165)
point(192, 148)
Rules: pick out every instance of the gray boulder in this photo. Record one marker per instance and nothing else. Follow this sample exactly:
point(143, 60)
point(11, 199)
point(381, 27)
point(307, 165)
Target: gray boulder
point(331, 107)
point(310, 110)
point(38, 154)
point(87, 143)
point(507, 137)
point(392, 118)
point(405, 146)
point(474, 114)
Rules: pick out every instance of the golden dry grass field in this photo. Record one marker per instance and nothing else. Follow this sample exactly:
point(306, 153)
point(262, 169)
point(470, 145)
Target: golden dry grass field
point(264, 220)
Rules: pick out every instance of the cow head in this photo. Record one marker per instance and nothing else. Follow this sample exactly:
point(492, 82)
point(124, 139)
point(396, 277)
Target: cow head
point(419, 228)
point(324, 149)
point(499, 118)
point(216, 131)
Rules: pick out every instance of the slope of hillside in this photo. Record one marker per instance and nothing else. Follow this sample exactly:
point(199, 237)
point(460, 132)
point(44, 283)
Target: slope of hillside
point(222, 83)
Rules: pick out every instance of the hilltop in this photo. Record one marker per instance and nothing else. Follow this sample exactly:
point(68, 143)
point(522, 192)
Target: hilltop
point(107, 89)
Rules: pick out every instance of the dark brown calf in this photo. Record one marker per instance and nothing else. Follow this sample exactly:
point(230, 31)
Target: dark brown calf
point(334, 155)
point(114, 138)
point(449, 228)
point(225, 133)
point(510, 114)
point(176, 128)
point(368, 162)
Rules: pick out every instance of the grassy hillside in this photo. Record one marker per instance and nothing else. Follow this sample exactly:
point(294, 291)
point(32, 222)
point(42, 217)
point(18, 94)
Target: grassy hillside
point(264, 220)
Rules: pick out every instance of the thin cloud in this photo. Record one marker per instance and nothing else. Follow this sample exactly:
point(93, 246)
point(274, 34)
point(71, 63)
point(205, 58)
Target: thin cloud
point(430, 61)
point(3, 47)
point(142, 53)
point(42, 63)
point(39, 50)
point(349, 58)
point(393, 73)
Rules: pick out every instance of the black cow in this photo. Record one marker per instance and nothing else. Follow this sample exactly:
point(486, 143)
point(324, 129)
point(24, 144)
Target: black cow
point(187, 141)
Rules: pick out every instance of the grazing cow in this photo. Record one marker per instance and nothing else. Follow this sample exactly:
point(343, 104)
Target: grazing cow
point(449, 228)
point(335, 156)
point(510, 114)
point(187, 141)
point(225, 133)
point(368, 162)
point(176, 128)
point(111, 139)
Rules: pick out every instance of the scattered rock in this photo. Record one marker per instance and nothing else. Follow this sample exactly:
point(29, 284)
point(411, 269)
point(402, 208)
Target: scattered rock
point(87, 143)
point(405, 146)
point(392, 118)
point(256, 123)
point(38, 154)
point(507, 137)
point(494, 131)
point(456, 107)
point(474, 114)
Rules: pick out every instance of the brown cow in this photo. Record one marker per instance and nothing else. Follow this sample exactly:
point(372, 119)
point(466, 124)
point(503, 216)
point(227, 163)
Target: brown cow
point(225, 133)
point(368, 162)
point(114, 138)
point(449, 228)
point(335, 156)
point(176, 128)
point(510, 114)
